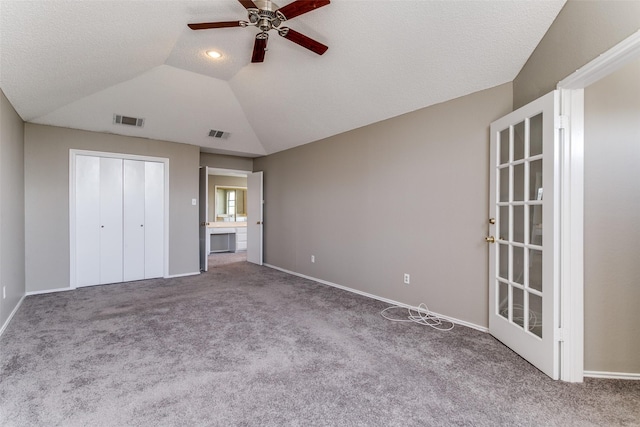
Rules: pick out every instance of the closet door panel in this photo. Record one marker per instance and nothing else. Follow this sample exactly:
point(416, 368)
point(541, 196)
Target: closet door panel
point(154, 220)
point(110, 220)
point(134, 221)
point(87, 212)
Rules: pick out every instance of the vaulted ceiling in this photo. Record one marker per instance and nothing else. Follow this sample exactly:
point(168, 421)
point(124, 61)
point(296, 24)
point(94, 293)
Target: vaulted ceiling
point(77, 63)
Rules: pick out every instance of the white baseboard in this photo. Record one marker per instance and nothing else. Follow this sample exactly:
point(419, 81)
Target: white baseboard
point(388, 301)
point(172, 276)
point(612, 375)
point(13, 312)
point(49, 291)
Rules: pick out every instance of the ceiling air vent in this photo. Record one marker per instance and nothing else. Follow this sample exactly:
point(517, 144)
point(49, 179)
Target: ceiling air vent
point(129, 121)
point(219, 134)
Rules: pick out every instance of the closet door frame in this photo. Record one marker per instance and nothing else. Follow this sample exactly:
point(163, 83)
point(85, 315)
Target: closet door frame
point(72, 204)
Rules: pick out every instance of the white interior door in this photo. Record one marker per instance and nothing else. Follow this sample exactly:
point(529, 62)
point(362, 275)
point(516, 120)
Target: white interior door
point(111, 220)
point(255, 201)
point(523, 264)
point(134, 221)
point(203, 216)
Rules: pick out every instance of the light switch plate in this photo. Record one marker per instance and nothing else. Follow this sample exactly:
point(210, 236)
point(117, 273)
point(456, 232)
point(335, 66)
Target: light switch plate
point(194, 202)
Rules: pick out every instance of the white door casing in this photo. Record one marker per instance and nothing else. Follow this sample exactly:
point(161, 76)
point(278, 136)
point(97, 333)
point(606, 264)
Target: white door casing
point(255, 217)
point(524, 206)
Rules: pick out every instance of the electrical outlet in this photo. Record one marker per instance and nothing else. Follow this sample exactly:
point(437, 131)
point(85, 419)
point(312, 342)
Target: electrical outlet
point(313, 258)
point(407, 278)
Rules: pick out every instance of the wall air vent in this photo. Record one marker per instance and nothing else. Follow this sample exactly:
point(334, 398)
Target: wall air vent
point(129, 121)
point(219, 134)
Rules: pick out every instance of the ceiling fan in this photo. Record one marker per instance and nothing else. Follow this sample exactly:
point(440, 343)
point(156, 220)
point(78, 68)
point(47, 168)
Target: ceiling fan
point(266, 15)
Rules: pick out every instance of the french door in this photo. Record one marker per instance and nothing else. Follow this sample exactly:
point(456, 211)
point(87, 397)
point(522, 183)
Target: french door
point(524, 238)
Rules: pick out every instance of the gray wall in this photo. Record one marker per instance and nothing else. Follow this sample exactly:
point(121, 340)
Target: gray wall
point(226, 162)
point(582, 31)
point(47, 199)
point(12, 267)
point(406, 195)
point(232, 181)
point(612, 222)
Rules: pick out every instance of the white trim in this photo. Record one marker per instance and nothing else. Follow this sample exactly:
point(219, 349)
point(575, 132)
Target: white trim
point(49, 291)
point(173, 276)
point(572, 237)
point(605, 64)
point(227, 172)
point(13, 312)
point(572, 202)
point(72, 200)
point(372, 296)
point(612, 375)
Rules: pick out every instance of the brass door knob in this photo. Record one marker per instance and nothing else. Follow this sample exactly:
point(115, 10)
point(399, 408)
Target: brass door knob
point(490, 239)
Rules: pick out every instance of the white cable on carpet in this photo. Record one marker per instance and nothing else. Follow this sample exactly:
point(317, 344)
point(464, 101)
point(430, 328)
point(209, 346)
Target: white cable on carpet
point(421, 316)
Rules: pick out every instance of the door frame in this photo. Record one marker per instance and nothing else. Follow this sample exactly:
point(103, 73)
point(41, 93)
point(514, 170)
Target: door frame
point(72, 204)
point(572, 200)
point(236, 172)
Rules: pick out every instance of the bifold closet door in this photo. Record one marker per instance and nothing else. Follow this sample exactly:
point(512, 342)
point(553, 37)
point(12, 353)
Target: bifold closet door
point(87, 212)
point(154, 220)
point(98, 220)
point(143, 220)
point(134, 220)
point(119, 210)
point(111, 221)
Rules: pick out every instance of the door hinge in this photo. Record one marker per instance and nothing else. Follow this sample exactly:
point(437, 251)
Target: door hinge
point(560, 335)
point(562, 122)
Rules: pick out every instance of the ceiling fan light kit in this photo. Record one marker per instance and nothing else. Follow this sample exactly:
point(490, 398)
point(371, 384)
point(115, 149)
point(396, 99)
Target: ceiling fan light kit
point(267, 16)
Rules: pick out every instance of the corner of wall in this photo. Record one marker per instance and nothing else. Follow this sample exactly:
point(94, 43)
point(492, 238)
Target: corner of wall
point(12, 222)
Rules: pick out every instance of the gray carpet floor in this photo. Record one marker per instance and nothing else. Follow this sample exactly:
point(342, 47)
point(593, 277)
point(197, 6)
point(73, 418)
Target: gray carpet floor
point(244, 345)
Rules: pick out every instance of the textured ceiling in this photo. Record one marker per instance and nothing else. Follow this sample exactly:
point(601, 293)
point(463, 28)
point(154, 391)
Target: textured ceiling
point(76, 63)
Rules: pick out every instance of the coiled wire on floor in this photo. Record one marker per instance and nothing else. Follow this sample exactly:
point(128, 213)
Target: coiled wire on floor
point(421, 315)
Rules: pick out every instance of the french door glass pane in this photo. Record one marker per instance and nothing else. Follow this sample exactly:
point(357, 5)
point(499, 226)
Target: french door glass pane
point(503, 270)
point(504, 146)
point(517, 309)
point(503, 299)
point(518, 141)
point(535, 314)
point(535, 135)
point(504, 223)
point(535, 269)
point(535, 180)
point(535, 224)
point(518, 182)
point(518, 265)
point(504, 184)
point(518, 224)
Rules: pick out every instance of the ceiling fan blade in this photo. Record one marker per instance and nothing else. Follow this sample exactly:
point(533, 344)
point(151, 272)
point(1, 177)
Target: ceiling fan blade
point(303, 40)
point(299, 7)
point(259, 48)
point(248, 4)
point(207, 25)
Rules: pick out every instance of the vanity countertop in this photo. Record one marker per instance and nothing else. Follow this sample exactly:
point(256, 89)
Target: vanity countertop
point(226, 224)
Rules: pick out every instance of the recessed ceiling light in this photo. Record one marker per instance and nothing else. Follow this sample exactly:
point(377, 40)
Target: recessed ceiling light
point(214, 54)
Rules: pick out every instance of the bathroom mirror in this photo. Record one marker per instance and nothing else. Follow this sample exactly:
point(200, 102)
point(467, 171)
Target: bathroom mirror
point(231, 204)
